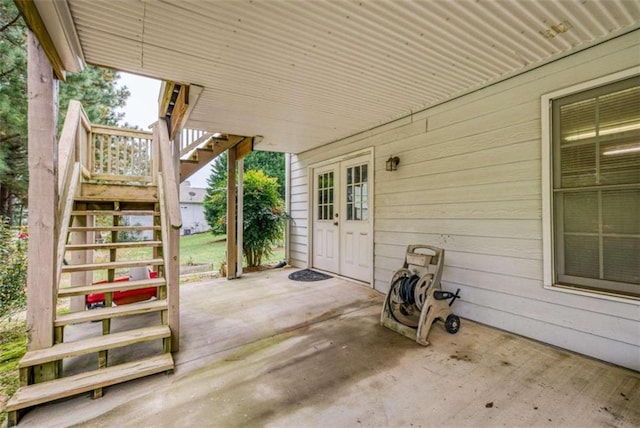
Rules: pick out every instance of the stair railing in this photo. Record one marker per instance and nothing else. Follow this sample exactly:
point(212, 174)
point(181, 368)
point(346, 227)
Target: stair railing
point(122, 155)
point(190, 139)
point(102, 153)
point(72, 158)
point(171, 221)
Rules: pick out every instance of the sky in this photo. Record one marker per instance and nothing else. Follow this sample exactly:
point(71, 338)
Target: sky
point(142, 110)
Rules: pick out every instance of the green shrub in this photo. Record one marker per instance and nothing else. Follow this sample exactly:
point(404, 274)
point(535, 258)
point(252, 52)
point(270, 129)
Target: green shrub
point(13, 269)
point(264, 216)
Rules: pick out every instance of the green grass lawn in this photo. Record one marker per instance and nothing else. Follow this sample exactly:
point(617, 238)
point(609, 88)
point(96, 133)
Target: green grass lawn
point(209, 248)
point(201, 248)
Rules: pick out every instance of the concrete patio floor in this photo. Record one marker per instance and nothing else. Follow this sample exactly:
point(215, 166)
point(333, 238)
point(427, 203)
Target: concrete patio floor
point(266, 351)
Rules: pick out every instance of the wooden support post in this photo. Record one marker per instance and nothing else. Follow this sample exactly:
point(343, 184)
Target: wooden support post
point(43, 200)
point(173, 293)
point(173, 290)
point(232, 246)
point(240, 216)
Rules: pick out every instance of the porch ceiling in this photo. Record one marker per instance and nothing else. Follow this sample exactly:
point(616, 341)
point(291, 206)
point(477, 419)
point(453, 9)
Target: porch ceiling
point(303, 74)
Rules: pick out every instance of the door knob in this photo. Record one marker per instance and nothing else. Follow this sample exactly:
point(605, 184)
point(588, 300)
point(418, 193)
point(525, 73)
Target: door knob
point(335, 221)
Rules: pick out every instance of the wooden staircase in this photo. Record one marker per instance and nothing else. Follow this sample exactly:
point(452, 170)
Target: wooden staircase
point(202, 150)
point(112, 258)
point(127, 335)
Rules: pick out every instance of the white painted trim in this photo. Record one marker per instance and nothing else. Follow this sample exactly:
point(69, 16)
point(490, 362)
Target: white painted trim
point(287, 207)
point(588, 293)
point(547, 181)
point(58, 21)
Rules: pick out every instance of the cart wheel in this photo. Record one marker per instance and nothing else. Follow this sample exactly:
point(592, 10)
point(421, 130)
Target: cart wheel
point(452, 324)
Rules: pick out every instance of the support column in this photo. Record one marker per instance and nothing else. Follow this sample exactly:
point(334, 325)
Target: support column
point(174, 250)
point(232, 245)
point(240, 216)
point(43, 198)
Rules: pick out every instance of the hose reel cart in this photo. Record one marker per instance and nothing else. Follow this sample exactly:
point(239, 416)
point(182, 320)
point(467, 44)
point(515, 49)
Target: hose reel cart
point(415, 299)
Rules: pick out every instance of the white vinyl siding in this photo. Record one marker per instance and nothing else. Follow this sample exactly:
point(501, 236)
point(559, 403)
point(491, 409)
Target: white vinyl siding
point(470, 181)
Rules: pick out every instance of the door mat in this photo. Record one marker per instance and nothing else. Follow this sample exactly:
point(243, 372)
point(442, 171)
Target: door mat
point(308, 275)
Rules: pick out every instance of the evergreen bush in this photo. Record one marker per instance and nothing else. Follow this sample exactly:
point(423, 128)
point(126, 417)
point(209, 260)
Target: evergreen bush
point(13, 269)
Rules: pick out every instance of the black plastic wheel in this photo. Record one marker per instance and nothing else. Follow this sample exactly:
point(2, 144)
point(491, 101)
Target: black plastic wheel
point(452, 324)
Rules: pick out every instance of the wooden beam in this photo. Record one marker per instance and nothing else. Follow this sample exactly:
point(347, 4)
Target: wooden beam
point(179, 109)
point(174, 113)
point(34, 21)
point(232, 245)
point(219, 146)
point(167, 93)
point(245, 147)
point(43, 196)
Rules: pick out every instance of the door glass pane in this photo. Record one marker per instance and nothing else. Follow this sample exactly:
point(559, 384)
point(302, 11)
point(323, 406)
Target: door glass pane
point(356, 192)
point(325, 196)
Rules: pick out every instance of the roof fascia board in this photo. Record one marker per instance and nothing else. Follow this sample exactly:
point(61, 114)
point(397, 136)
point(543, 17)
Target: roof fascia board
point(34, 21)
point(57, 18)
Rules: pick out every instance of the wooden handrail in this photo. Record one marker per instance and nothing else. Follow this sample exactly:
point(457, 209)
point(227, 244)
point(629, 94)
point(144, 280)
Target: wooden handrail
point(168, 176)
point(64, 214)
point(70, 146)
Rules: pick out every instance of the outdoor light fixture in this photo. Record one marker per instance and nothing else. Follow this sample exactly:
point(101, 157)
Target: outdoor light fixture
point(392, 163)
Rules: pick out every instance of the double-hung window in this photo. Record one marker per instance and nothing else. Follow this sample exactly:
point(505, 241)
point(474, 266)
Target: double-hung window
point(594, 170)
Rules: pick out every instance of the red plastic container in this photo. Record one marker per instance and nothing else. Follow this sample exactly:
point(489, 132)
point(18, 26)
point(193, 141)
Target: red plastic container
point(124, 297)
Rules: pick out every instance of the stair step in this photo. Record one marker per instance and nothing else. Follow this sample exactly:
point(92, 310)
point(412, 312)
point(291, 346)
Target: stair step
point(94, 344)
point(114, 245)
point(39, 393)
point(110, 287)
point(94, 192)
point(190, 160)
point(112, 228)
point(115, 212)
point(112, 265)
point(113, 312)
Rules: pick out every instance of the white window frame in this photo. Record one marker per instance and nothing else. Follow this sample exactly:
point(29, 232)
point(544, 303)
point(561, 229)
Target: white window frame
point(548, 258)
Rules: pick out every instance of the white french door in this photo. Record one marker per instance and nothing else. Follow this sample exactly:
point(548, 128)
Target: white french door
point(342, 218)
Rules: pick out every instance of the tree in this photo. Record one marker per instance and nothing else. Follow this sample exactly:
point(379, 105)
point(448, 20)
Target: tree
point(215, 203)
point(13, 108)
point(263, 218)
point(95, 87)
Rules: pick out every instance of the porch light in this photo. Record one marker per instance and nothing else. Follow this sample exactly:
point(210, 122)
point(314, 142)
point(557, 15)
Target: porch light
point(392, 163)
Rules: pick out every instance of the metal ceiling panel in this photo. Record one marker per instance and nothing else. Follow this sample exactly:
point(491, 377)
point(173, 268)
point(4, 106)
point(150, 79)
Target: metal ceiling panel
point(306, 73)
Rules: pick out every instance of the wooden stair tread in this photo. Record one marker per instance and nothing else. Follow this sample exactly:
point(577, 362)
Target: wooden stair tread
point(96, 192)
point(110, 287)
point(94, 344)
point(114, 245)
point(115, 212)
point(112, 265)
point(111, 228)
point(112, 312)
point(39, 393)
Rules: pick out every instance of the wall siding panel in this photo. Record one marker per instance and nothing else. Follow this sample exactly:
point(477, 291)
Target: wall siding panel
point(469, 180)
